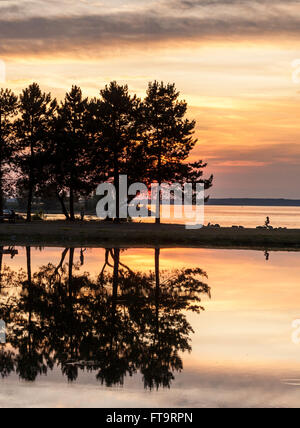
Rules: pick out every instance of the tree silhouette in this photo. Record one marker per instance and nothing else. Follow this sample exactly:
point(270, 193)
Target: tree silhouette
point(116, 325)
point(36, 109)
point(8, 109)
point(170, 139)
point(116, 134)
point(62, 152)
point(70, 152)
point(155, 306)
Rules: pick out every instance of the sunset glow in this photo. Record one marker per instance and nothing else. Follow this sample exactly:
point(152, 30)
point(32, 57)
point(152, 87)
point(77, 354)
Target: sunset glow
point(231, 61)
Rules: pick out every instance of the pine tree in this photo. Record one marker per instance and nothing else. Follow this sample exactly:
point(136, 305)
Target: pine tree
point(170, 138)
point(117, 135)
point(8, 109)
point(71, 151)
point(36, 109)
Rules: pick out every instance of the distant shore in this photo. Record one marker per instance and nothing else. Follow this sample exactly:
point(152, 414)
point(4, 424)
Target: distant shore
point(254, 202)
point(101, 234)
point(243, 202)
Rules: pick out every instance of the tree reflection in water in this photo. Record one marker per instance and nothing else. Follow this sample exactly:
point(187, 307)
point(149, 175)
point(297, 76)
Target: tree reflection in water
point(118, 324)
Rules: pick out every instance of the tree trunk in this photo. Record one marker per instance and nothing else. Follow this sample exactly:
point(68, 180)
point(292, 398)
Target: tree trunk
point(115, 281)
point(71, 209)
point(60, 265)
point(29, 204)
point(71, 263)
point(29, 289)
point(1, 172)
point(28, 260)
point(158, 207)
point(117, 187)
point(30, 190)
point(63, 206)
point(157, 288)
point(70, 279)
point(117, 219)
point(29, 298)
point(1, 194)
point(159, 179)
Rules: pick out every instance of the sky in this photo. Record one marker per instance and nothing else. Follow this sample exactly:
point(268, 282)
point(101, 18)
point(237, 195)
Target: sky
point(233, 61)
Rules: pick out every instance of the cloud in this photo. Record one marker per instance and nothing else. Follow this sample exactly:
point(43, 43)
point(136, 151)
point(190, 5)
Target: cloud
point(195, 3)
point(259, 155)
point(33, 34)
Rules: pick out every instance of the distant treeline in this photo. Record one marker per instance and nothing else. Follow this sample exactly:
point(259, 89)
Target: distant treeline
point(63, 150)
point(88, 205)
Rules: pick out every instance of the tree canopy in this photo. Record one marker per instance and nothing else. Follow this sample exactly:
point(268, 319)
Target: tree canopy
point(65, 150)
point(114, 325)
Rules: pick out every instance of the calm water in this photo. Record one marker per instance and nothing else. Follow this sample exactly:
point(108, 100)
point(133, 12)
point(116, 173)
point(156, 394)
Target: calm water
point(228, 216)
point(238, 215)
point(253, 216)
point(149, 328)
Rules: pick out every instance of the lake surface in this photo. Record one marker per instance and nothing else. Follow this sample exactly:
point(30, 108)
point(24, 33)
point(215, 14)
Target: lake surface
point(126, 328)
point(228, 216)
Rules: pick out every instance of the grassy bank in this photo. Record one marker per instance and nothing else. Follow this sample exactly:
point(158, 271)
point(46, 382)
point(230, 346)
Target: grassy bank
point(99, 234)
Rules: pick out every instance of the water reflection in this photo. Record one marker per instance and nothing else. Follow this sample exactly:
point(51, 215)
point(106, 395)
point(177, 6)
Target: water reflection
point(115, 324)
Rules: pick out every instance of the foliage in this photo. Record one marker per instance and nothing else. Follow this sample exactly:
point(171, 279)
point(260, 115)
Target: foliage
point(65, 150)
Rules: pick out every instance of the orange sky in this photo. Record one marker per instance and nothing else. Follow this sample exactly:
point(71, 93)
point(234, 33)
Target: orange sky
point(230, 59)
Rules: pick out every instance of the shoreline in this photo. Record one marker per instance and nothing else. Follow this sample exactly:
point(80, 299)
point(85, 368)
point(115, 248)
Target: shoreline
point(107, 235)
